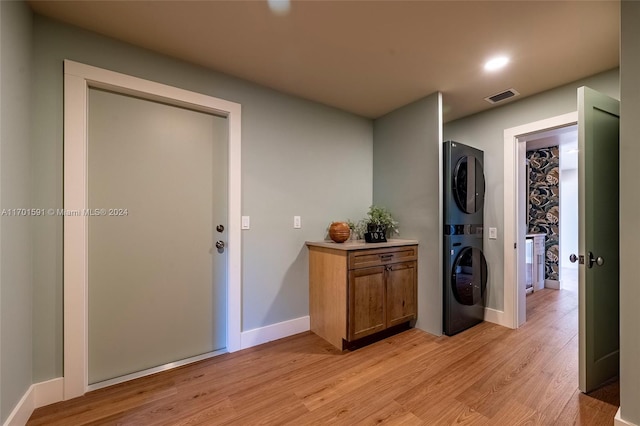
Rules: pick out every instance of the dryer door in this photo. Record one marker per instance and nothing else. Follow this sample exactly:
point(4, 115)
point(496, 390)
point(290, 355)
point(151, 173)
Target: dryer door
point(468, 184)
point(469, 276)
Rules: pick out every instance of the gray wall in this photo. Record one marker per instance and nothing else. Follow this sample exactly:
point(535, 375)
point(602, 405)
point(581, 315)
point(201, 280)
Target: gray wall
point(629, 206)
point(298, 158)
point(486, 131)
point(15, 231)
point(407, 159)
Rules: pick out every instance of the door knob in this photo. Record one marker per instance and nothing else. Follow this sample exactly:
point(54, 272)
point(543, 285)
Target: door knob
point(573, 258)
point(220, 228)
point(219, 244)
point(598, 260)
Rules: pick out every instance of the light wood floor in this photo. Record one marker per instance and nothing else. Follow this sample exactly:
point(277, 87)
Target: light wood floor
point(488, 375)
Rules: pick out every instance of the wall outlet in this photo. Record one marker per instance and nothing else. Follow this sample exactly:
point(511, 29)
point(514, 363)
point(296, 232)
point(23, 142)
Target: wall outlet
point(246, 223)
point(493, 233)
point(297, 224)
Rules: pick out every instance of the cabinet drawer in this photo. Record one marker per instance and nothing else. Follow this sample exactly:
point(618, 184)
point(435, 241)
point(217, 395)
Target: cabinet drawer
point(383, 256)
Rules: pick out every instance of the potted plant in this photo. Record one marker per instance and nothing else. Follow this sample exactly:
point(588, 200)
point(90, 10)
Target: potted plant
point(379, 223)
point(358, 229)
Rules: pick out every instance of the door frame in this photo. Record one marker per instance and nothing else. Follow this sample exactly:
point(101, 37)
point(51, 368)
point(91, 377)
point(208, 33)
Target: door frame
point(78, 78)
point(514, 241)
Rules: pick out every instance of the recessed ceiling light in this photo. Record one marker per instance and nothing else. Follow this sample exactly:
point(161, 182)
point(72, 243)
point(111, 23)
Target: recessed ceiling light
point(279, 7)
point(496, 63)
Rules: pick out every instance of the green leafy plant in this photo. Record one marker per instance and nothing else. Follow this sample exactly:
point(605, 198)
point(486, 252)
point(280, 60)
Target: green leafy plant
point(357, 229)
point(379, 218)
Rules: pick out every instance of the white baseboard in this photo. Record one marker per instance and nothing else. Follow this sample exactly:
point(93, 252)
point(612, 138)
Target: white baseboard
point(38, 395)
point(21, 412)
point(261, 335)
point(48, 392)
point(617, 420)
point(554, 284)
point(496, 317)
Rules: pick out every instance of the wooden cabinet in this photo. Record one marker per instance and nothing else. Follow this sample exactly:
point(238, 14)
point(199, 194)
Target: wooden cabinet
point(356, 290)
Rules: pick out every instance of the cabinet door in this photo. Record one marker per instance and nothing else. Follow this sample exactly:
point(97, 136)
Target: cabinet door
point(366, 302)
point(401, 293)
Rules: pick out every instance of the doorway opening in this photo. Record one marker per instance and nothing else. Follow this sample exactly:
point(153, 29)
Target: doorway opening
point(515, 213)
point(551, 209)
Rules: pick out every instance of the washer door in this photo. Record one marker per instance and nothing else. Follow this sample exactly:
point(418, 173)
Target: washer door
point(469, 276)
point(468, 184)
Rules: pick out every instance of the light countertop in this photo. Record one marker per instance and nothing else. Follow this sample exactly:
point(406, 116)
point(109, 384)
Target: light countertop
point(361, 244)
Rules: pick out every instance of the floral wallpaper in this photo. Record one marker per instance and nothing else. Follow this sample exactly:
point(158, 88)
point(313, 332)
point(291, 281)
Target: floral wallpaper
point(544, 203)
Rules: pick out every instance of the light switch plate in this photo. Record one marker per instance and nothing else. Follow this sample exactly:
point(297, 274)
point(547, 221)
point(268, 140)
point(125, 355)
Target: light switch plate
point(297, 224)
point(246, 223)
point(493, 233)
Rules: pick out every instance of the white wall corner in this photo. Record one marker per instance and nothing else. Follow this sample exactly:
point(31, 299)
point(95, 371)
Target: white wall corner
point(38, 395)
point(496, 317)
point(618, 421)
point(23, 410)
point(261, 335)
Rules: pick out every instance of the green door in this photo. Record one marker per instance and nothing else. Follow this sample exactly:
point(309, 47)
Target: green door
point(598, 139)
point(156, 278)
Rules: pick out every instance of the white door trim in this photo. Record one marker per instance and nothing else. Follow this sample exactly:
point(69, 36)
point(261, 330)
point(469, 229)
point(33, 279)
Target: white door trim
point(514, 151)
point(77, 80)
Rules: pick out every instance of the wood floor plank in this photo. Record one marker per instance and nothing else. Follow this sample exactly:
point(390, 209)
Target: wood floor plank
point(450, 375)
point(361, 374)
point(586, 410)
point(514, 413)
point(487, 375)
point(84, 410)
point(449, 411)
point(490, 391)
point(274, 409)
point(169, 411)
point(392, 414)
point(554, 384)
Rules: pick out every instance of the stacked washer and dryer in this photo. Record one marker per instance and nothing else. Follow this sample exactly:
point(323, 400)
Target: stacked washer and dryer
point(465, 267)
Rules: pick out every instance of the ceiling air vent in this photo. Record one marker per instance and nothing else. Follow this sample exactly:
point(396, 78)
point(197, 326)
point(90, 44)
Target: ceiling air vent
point(502, 96)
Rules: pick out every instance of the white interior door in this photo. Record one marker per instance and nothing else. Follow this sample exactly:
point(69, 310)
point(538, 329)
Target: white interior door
point(157, 198)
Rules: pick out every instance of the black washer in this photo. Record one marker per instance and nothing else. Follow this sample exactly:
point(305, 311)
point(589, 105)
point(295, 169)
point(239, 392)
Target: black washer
point(469, 276)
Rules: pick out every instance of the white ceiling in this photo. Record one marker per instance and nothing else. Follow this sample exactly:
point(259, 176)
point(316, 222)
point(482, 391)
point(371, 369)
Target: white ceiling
point(370, 57)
